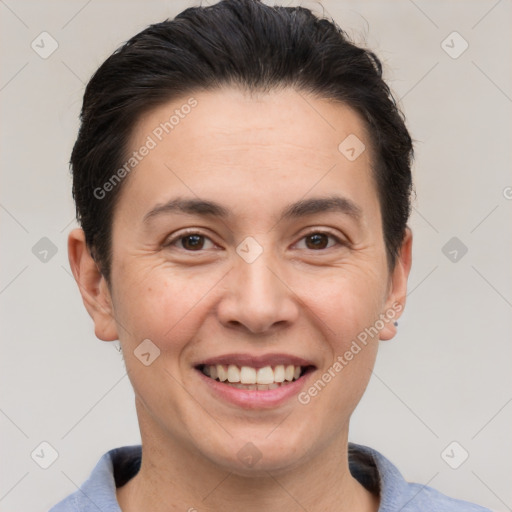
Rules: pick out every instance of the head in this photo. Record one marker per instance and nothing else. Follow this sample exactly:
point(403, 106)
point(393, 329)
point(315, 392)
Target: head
point(242, 180)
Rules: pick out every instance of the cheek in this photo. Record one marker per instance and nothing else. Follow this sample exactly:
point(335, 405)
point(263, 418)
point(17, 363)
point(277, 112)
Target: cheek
point(162, 304)
point(347, 313)
point(347, 300)
point(346, 308)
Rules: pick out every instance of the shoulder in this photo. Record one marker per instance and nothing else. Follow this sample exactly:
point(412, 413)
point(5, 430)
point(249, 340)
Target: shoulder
point(422, 498)
point(98, 492)
point(372, 469)
point(69, 504)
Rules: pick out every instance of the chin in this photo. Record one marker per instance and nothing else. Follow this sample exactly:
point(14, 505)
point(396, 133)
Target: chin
point(256, 456)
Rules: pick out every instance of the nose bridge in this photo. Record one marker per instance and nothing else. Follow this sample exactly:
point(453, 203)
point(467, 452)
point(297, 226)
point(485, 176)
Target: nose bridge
point(257, 297)
point(254, 263)
point(258, 279)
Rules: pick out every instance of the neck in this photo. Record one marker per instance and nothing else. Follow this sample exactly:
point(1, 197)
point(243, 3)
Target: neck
point(174, 477)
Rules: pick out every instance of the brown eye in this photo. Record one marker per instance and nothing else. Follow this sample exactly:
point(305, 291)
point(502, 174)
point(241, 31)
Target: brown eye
point(317, 241)
point(192, 242)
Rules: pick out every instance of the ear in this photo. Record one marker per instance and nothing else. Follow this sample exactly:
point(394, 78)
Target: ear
point(397, 291)
point(93, 286)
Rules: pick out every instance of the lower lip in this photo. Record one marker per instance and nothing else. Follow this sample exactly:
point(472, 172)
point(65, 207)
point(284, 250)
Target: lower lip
point(255, 399)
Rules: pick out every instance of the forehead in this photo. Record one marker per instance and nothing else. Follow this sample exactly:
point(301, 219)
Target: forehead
point(231, 115)
point(265, 148)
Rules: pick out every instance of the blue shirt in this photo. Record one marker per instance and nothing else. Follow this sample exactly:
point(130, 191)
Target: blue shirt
point(368, 466)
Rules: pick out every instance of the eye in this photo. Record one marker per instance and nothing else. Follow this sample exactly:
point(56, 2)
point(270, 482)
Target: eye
point(195, 242)
point(319, 240)
point(190, 242)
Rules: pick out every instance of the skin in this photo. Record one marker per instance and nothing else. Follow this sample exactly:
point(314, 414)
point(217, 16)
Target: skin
point(254, 154)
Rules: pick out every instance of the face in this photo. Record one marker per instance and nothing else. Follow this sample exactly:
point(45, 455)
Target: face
point(246, 237)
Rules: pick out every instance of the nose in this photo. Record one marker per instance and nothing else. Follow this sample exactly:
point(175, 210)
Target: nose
point(257, 297)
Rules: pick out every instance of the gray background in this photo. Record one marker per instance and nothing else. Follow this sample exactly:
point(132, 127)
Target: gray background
point(446, 376)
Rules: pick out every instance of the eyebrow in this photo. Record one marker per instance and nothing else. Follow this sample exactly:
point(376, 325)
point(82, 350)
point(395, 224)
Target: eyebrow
point(299, 209)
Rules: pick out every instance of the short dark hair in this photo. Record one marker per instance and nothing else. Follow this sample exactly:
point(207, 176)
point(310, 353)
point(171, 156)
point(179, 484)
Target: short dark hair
point(250, 45)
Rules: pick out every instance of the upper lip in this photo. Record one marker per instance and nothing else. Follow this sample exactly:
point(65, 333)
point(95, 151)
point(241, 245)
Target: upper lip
point(254, 361)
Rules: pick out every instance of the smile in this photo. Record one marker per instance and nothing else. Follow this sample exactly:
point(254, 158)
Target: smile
point(250, 378)
point(254, 381)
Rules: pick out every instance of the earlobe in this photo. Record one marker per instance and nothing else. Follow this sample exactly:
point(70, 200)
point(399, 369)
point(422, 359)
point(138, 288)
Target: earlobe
point(397, 294)
point(92, 285)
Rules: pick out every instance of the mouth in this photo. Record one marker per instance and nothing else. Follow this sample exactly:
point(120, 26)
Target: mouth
point(252, 378)
point(257, 382)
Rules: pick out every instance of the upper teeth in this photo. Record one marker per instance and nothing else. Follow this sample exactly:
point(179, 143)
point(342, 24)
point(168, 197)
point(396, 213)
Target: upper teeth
point(248, 375)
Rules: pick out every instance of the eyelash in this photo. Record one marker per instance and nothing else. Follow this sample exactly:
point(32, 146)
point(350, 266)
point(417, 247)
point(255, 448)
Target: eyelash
point(186, 234)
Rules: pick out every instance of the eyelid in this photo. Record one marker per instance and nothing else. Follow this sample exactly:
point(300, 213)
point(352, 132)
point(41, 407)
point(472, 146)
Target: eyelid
point(169, 241)
point(323, 231)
